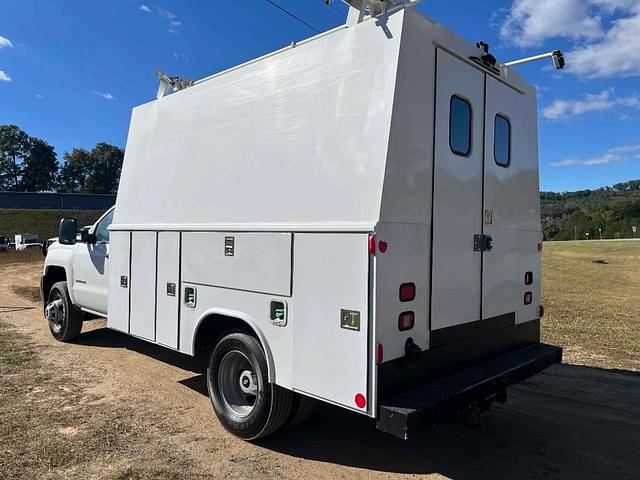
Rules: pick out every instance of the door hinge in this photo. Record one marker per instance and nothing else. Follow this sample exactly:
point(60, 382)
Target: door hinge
point(482, 243)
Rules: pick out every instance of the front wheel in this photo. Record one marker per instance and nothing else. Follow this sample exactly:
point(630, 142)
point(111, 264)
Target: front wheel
point(245, 402)
point(64, 318)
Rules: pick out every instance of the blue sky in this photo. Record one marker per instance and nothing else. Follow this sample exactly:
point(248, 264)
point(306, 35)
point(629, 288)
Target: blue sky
point(71, 70)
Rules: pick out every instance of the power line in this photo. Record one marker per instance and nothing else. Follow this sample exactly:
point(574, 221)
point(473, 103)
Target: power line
point(271, 2)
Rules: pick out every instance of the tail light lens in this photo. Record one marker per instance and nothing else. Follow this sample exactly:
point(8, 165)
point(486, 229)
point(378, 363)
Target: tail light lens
point(406, 321)
point(540, 246)
point(361, 400)
point(541, 311)
point(379, 353)
point(382, 246)
point(528, 298)
point(372, 244)
point(407, 292)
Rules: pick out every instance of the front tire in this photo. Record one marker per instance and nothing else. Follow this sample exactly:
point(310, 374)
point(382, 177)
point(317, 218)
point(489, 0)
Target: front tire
point(246, 404)
point(64, 318)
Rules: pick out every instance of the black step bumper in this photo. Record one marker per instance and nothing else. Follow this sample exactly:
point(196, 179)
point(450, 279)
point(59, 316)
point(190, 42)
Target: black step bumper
point(404, 414)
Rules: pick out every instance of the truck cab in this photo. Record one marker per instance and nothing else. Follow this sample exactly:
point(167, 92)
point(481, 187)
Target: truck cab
point(82, 265)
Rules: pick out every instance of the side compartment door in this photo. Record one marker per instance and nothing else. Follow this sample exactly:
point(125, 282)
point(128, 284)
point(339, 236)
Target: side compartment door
point(330, 318)
point(168, 289)
point(457, 193)
point(511, 204)
point(120, 253)
point(143, 285)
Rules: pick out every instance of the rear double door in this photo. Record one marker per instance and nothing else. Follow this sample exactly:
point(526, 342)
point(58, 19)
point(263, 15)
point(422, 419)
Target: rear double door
point(468, 197)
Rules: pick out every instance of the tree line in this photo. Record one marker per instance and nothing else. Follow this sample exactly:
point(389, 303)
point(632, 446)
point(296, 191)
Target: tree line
point(607, 212)
point(30, 164)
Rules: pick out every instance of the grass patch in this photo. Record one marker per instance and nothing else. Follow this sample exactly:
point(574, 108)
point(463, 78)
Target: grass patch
point(592, 308)
point(43, 223)
point(52, 426)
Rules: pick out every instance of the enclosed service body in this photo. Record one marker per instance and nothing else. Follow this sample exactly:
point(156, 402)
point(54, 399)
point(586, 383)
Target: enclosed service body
point(365, 202)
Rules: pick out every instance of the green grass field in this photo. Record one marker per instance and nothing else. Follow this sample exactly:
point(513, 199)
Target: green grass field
point(43, 223)
point(593, 309)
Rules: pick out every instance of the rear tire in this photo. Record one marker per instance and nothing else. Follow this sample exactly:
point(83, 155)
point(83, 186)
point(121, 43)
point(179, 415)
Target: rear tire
point(246, 404)
point(302, 408)
point(64, 318)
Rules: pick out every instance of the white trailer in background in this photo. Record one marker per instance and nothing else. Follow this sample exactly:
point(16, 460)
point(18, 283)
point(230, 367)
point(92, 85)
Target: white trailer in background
point(354, 219)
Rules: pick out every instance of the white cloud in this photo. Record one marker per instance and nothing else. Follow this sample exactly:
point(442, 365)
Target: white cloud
point(171, 18)
point(616, 154)
point(607, 32)
point(601, 160)
point(618, 53)
point(4, 76)
point(145, 8)
point(105, 95)
point(5, 42)
point(592, 102)
point(530, 22)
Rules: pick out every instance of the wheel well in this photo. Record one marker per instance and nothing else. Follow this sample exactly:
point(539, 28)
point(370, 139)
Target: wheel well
point(53, 275)
point(215, 326)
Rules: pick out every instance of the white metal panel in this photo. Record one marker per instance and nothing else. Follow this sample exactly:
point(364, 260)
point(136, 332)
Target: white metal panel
point(405, 261)
point(457, 200)
point(511, 201)
point(143, 285)
point(261, 262)
point(300, 136)
point(118, 299)
point(168, 289)
point(530, 261)
point(250, 307)
point(331, 273)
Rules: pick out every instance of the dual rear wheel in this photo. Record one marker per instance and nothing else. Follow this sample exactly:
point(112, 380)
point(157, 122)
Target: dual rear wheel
point(244, 401)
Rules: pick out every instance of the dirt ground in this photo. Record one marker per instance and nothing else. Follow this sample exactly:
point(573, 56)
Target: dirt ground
point(110, 406)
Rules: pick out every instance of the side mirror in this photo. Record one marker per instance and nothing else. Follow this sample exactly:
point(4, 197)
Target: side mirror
point(67, 231)
point(86, 237)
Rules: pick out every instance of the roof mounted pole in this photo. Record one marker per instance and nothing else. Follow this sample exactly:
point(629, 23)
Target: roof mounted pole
point(556, 55)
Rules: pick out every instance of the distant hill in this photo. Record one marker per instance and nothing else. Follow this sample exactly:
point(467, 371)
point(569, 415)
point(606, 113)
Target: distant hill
point(571, 215)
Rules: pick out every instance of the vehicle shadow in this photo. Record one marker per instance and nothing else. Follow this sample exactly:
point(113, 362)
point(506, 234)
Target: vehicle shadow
point(567, 422)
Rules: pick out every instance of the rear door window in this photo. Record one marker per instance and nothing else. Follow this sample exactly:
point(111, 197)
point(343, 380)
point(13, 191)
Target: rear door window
point(502, 141)
point(460, 126)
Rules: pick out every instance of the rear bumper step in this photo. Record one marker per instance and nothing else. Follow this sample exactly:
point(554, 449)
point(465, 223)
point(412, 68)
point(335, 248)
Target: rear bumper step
point(406, 413)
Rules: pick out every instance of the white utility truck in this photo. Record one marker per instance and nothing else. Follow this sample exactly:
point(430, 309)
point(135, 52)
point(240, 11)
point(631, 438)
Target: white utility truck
point(353, 219)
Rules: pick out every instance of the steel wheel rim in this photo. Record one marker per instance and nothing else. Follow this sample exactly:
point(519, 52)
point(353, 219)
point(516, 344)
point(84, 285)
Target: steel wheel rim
point(238, 383)
point(55, 312)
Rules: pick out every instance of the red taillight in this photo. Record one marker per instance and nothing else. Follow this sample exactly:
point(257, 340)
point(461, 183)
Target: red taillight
point(406, 321)
point(541, 311)
point(528, 278)
point(407, 292)
point(372, 243)
point(382, 246)
point(379, 353)
point(528, 298)
point(360, 400)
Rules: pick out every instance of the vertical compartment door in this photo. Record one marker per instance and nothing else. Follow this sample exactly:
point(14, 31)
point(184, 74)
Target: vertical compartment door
point(330, 317)
point(168, 289)
point(143, 285)
point(511, 204)
point(118, 298)
point(457, 193)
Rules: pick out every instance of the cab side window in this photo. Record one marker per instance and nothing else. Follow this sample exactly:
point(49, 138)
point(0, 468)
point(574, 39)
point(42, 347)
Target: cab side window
point(460, 126)
point(102, 229)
